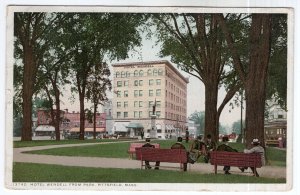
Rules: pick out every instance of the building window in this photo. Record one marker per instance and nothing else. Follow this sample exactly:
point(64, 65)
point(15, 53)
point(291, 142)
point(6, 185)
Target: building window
point(123, 74)
point(136, 83)
point(140, 92)
point(136, 113)
point(117, 74)
point(158, 114)
point(150, 113)
point(158, 104)
point(118, 104)
point(136, 73)
point(158, 81)
point(127, 74)
point(136, 104)
point(118, 93)
point(119, 83)
point(151, 81)
point(141, 82)
point(155, 72)
point(136, 93)
point(150, 92)
point(118, 114)
point(158, 92)
point(140, 114)
point(149, 72)
point(150, 104)
point(141, 104)
point(141, 73)
point(126, 83)
point(125, 93)
point(160, 72)
point(125, 104)
point(125, 114)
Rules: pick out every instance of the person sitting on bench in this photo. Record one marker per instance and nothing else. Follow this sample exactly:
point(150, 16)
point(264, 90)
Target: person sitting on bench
point(147, 165)
point(179, 145)
point(255, 149)
point(225, 147)
point(197, 149)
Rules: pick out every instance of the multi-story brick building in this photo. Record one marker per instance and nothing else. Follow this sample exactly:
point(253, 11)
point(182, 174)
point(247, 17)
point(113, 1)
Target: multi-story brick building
point(137, 87)
point(70, 122)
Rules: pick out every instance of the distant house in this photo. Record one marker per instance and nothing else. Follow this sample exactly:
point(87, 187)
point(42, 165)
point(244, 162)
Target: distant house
point(275, 124)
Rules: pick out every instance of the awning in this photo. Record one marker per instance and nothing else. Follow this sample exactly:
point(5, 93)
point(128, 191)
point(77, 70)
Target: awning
point(135, 126)
point(88, 129)
point(45, 128)
point(120, 126)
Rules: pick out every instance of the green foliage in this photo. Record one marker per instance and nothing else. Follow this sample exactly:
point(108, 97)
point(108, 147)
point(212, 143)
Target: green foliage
point(277, 72)
point(199, 119)
point(236, 126)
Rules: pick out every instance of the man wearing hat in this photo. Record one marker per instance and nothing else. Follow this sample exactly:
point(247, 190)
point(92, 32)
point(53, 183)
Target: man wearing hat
point(147, 144)
point(257, 148)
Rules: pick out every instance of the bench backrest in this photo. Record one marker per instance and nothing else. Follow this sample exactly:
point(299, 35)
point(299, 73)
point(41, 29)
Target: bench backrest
point(133, 146)
point(237, 159)
point(162, 155)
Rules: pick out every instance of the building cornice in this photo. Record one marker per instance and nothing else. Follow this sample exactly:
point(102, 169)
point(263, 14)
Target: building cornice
point(152, 63)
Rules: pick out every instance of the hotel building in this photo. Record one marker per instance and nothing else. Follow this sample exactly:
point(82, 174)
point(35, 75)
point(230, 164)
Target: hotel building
point(139, 86)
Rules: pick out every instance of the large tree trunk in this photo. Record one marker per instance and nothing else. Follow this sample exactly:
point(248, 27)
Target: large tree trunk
point(28, 84)
point(95, 115)
point(211, 100)
point(82, 116)
point(254, 78)
point(58, 119)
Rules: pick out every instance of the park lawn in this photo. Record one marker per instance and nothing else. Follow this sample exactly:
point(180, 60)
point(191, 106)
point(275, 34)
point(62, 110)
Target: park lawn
point(31, 172)
point(275, 156)
point(20, 144)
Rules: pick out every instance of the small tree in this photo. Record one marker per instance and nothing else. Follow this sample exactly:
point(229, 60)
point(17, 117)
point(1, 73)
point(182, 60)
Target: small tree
point(98, 84)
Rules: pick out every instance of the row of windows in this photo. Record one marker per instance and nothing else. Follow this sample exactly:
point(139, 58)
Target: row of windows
point(140, 73)
point(139, 93)
point(139, 82)
point(137, 114)
point(139, 104)
point(175, 88)
point(175, 98)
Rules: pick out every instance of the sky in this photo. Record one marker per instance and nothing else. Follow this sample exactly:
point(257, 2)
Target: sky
point(195, 89)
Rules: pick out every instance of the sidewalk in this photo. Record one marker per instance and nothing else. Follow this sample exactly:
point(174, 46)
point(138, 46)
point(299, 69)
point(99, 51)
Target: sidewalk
point(99, 162)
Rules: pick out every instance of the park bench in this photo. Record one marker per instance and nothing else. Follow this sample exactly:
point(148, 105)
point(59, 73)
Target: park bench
point(235, 159)
point(161, 155)
point(133, 146)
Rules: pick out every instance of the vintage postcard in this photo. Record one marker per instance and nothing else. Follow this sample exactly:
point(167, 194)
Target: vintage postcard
point(127, 98)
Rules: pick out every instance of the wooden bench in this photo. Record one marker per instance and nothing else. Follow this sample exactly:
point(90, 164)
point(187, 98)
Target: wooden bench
point(161, 155)
point(235, 159)
point(133, 146)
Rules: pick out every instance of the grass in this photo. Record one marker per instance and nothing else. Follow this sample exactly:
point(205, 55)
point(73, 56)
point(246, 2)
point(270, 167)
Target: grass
point(20, 144)
point(30, 172)
point(275, 157)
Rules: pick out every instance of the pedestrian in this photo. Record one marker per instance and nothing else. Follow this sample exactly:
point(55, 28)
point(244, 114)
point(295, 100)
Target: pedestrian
point(257, 148)
point(179, 145)
point(227, 148)
point(187, 136)
point(210, 146)
point(197, 149)
point(52, 135)
point(147, 164)
point(142, 134)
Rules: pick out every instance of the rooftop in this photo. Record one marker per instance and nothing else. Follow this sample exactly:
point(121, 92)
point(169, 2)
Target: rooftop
point(152, 63)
